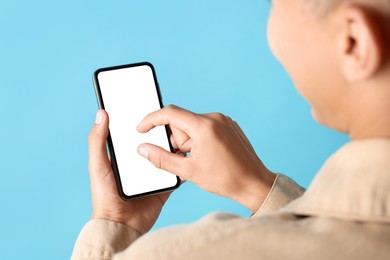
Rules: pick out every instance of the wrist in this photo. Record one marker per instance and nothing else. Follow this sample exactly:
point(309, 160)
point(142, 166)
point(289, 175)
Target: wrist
point(254, 192)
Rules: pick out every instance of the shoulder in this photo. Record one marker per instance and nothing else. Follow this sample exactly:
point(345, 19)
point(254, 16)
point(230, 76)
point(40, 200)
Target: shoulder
point(273, 236)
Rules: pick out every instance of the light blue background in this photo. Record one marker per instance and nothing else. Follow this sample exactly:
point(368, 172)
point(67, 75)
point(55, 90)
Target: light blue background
point(209, 56)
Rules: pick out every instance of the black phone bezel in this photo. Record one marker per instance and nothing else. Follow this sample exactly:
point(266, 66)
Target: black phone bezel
point(110, 145)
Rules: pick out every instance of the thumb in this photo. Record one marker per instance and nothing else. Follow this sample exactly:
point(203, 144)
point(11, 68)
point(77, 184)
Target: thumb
point(98, 158)
point(162, 159)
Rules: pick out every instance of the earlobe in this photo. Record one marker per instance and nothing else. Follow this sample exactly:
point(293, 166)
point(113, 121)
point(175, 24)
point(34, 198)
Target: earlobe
point(361, 46)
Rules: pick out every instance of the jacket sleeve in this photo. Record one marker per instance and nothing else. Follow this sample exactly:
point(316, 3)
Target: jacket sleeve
point(283, 191)
point(101, 239)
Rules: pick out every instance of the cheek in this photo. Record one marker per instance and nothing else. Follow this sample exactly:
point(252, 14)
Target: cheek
point(272, 35)
point(285, 46)
point(306, 54)
point(282, 40)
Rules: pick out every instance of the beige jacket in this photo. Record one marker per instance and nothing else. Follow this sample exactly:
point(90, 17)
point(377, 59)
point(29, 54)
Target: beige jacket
point(345, 214)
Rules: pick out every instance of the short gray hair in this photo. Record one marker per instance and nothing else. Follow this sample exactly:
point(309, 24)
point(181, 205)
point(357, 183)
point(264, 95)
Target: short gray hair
point(326, 6)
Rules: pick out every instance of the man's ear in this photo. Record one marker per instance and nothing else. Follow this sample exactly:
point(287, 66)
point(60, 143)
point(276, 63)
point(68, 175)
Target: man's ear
point(361, 44)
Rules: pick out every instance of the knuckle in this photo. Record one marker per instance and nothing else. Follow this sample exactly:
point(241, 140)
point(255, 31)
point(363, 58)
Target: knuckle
point(215, 123)
point(221, 118)
point(171, 107)
point(209, 125)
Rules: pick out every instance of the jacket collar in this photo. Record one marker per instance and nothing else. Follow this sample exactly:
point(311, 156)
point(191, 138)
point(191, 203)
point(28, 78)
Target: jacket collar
point(353, 184)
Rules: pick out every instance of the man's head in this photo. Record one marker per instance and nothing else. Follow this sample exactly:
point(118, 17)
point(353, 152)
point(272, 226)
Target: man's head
point(336, 52)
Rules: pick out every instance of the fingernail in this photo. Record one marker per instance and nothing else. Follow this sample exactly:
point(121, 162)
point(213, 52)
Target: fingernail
point(99, 117)
point(143, 152)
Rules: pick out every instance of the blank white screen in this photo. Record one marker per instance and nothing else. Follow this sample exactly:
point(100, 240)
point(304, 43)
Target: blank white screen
point(129, 94)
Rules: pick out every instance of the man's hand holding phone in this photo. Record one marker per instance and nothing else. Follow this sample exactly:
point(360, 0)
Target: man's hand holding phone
point(139, 213)
point(220, 158)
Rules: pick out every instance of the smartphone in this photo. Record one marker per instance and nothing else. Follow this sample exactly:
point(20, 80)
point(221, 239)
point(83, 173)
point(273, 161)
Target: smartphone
point(128, 93)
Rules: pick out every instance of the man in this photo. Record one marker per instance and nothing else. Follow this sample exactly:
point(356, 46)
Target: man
point(336, 52)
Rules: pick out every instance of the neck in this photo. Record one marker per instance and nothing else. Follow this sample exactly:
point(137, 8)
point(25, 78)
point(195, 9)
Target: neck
point(371, 113)
point(376, 130)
